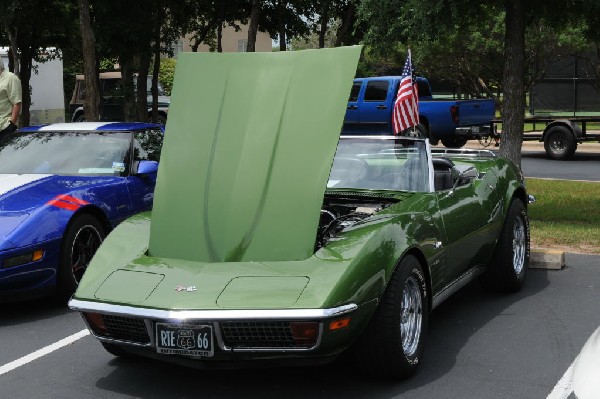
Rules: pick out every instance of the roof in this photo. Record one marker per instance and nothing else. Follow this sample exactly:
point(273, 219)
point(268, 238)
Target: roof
point(91, 126)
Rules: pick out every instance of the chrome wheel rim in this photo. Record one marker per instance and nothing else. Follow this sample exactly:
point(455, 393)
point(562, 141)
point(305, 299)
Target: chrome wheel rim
point(519, 245)
point(414, 132)
point(86, 243)
point(411, 317)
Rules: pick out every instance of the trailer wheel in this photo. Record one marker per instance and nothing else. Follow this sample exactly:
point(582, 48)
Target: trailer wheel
point(559, 143)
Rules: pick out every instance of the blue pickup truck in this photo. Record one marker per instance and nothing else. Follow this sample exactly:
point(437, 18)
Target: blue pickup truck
point(452, 122)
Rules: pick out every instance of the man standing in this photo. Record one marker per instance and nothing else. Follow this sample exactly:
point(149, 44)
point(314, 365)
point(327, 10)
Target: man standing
point(10, 100)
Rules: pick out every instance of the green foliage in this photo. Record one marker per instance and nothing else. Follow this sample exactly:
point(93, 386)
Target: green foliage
point(166, 74)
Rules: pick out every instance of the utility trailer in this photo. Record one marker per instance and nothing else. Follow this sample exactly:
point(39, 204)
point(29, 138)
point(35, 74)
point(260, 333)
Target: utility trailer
point(561, 134)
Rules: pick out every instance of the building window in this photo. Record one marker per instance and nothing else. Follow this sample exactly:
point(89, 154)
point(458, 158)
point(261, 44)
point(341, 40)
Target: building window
point(242, 45)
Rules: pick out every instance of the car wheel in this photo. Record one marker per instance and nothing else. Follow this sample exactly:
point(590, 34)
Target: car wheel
point(559, 143)
point(508, 267)
point(393, 342)
point(454, 142)
point(419, 131)
point(80, 118)
point(80, 242)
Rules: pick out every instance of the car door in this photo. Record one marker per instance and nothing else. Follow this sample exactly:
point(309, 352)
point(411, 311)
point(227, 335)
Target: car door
point(351, 119)
point(468, 213)
point(374, 112)
point(146, 147)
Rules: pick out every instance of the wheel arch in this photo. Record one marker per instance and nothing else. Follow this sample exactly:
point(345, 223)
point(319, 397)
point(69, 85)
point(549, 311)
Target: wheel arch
point(570, 125)
point(420, 256)
point(93, 211)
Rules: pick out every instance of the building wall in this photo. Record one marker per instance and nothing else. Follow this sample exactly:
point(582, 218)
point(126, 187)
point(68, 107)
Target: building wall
point(233, 41)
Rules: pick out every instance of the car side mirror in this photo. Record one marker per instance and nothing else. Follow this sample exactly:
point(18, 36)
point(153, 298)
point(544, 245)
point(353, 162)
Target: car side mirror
point(146, 167)
point(464, 176)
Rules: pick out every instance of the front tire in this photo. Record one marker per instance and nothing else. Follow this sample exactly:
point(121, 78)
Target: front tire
point(80, 242)
point(508, 267)
point(392, 345)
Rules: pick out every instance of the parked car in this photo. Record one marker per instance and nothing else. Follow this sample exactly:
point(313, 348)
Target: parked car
point(400, 229)
point(111, 95)
point(453, 122)
point(63, 188)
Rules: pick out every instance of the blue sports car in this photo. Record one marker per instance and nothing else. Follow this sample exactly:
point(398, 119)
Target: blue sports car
point(63, 187)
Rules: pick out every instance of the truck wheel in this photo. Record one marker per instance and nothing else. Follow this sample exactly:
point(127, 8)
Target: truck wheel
point(419, 131)
point(80, 118)
point(510, 260)
point(393, 342)
point(454, 142)
point(559, 143)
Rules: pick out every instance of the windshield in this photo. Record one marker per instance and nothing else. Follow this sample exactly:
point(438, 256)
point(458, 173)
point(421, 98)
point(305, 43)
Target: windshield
point(65, 153)
point(380, 163)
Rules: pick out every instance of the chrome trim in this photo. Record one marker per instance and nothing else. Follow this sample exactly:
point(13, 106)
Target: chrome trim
point(464, 152)
point(456, 285)
point(210, 315)
point(382, 137)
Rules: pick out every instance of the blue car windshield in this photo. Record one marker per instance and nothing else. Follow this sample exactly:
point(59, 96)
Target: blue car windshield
point(65, 153)
point(380, 163)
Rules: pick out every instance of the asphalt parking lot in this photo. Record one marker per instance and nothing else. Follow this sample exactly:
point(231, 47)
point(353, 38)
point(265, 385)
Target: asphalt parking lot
point(480, 345)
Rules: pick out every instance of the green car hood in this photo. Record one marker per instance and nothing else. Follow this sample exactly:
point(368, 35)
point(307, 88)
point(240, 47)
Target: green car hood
point(247, 153)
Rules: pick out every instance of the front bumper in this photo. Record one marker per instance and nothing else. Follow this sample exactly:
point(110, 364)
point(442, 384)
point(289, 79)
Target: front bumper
point(134, 330)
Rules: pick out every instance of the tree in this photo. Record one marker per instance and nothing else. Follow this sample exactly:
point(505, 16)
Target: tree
point(90, 64)
point(32, 26)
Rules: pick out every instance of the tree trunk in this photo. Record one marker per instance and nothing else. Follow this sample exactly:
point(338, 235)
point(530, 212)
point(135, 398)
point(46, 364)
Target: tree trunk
point(514, 77)
point(281, 4)
point(324, 21)
point(129, 110)
point(90, 67)
point(220, 38)
point(347, 23)
point(25, 77)
point(253, 26)
point(141, 94)
point(155, 71)
point(13, 54)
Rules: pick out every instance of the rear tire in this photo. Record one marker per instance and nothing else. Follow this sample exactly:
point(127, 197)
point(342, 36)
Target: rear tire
point(393, 342)
point(559, 143)
point(420, 131)
point(507, 270)
point(454, 142)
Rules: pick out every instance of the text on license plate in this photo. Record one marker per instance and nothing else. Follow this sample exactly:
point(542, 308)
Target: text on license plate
point(189, 340)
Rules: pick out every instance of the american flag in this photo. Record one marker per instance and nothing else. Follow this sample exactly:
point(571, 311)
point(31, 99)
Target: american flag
point(406, 106)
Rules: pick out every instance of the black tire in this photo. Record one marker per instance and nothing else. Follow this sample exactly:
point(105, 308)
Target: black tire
point(560, 143)
point(454, 142)
point(508, 268)
point(80, 118)
point(393, 342)
point(80, 242)
point(115, 350)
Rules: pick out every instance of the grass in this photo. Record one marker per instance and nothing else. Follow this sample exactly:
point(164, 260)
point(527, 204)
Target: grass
point(566, 215)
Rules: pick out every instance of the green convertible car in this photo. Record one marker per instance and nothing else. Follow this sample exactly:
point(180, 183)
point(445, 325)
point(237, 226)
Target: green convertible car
point(274, 241)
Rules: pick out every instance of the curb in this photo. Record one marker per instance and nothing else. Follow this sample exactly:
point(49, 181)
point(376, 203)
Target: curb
point(549, 259)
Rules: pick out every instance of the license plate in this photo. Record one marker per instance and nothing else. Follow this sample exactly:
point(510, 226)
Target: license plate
point(189, 340)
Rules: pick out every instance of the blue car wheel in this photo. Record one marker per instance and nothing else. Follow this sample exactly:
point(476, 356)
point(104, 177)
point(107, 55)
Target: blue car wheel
point(81, 241)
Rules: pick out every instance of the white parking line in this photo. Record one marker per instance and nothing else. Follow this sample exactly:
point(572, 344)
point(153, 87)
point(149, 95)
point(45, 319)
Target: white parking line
point(564, 387)
point(43, 352)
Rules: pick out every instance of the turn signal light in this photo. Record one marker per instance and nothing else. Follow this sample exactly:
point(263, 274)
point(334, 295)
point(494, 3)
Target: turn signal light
point(96, 322)
point(305, 333)
point(23, 259)
point(339, 324)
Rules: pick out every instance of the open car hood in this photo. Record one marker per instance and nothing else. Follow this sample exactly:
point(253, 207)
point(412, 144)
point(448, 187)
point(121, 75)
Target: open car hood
point(247, 152)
